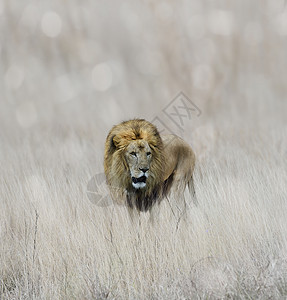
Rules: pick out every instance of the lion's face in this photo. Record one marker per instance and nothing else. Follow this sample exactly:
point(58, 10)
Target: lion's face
point(138, 156)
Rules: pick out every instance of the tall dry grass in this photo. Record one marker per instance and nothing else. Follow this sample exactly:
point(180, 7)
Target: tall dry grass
point(71, 70)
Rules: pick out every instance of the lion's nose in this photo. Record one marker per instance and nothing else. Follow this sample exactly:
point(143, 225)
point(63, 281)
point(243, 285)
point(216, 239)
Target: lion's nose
point(144, 169)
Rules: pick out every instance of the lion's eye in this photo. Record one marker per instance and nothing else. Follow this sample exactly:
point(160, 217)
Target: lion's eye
point(133, 153)
point(148, 153)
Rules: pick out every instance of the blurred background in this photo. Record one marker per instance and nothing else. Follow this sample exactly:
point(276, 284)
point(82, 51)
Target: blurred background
point(83, 66)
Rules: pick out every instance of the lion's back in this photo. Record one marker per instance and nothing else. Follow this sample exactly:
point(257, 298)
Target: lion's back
point(179, 164)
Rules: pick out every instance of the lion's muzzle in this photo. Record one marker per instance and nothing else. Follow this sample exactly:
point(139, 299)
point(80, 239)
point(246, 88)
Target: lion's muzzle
point(139, 182)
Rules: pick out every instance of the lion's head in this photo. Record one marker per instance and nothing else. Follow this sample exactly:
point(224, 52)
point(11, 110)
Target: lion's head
point(138, 155)
point(134, 162)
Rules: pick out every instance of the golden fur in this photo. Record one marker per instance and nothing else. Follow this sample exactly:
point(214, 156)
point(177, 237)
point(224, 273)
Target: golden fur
point(137, 156)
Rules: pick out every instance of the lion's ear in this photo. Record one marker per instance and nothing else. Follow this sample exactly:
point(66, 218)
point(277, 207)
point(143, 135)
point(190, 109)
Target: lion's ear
point(112, 144)
point(116, 141)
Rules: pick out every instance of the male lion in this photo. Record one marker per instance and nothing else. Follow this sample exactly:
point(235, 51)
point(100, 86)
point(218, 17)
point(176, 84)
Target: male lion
point(141, 166)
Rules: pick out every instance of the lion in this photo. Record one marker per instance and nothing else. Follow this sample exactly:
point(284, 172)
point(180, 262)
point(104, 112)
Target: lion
point(142, 167)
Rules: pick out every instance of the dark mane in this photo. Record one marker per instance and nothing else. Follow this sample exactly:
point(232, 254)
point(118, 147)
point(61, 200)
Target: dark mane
point(143, 202)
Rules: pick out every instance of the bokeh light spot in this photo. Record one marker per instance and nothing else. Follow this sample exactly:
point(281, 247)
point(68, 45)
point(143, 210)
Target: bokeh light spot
point(14, 77)
point(221, 22)
point(51, 24)
point(281, 23)
point(102, 77)
point(26, 114)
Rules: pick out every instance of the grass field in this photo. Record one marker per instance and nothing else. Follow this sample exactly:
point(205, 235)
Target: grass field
point(68, 72)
